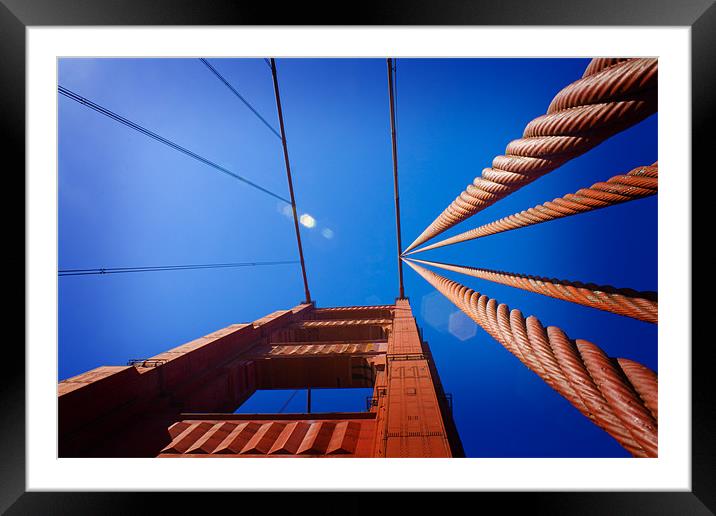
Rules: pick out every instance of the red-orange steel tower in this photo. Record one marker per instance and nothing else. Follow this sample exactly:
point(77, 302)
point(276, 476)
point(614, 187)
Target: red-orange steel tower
point(181, 403)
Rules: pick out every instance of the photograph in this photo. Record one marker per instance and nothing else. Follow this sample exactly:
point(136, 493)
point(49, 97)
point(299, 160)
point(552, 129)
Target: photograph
point(416, 250)
point(357, 257)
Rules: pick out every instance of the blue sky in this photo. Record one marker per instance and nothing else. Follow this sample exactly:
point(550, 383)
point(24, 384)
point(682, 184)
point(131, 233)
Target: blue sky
point(127, 200)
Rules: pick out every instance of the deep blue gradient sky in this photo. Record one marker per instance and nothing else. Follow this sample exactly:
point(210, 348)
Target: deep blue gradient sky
point(126, 200)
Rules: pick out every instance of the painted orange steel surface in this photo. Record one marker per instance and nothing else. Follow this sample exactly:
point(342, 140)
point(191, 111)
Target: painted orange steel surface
point(609, 98)
point(638, 183)
point(180, 403)
point(627, 302)
point(219, 437)
point(619, 396)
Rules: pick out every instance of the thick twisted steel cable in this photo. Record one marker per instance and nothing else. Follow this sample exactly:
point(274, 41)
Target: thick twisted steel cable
point(645, 383)
point(630, 303)
point(636, 184)
point(600, 63)
point(611, 393)
point(580, 117)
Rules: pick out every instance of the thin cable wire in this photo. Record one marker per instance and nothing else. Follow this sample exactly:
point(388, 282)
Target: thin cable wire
point(114, 116)
point(395, 94)
point(274, 75)
point(246, 102)
point(155, 268)
point(293, 394)
point(394, 142)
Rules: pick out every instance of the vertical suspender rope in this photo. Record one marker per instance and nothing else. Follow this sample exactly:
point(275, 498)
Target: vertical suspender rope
point(290, 181)
point(395, 177)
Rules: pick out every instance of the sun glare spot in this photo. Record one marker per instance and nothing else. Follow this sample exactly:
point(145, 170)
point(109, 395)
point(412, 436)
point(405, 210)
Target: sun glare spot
point(307, 220)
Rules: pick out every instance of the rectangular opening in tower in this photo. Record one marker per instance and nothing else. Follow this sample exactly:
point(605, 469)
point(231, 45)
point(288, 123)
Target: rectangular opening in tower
point(295, 401)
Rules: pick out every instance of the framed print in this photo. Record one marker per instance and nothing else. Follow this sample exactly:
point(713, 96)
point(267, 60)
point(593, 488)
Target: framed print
point(226, 214)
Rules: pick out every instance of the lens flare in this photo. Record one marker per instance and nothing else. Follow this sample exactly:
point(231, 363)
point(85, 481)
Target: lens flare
point(307, 220)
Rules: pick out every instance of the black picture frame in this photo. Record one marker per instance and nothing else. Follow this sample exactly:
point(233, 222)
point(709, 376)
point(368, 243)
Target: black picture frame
point(16, 15)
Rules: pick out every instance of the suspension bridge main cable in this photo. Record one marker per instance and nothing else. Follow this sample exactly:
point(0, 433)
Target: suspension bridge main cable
point(609, 98)
point(155, 268)
point(630, 303)
point(274, 75)
point(638, 183)
point(618, 395)
point(241, 98)
point(114, 116)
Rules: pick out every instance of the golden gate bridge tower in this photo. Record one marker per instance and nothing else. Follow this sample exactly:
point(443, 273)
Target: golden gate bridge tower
point(181, 403)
